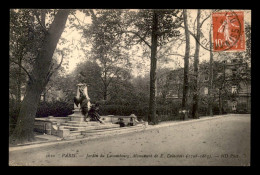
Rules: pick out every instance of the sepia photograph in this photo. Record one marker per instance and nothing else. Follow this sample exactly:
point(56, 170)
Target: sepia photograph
point(129, 87)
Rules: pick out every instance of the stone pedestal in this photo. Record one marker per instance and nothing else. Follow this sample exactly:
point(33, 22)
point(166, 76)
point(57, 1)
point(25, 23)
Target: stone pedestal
point(77, 115)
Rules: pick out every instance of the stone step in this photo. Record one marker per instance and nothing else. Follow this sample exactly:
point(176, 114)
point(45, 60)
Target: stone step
point(75, 133)
point(104, 129)
point(73, 121)
point(71, 128)
point(87, 127)
point(83, 123)
point(112, 130)
point(75, 125)
point(80, 136)
point(101, 127)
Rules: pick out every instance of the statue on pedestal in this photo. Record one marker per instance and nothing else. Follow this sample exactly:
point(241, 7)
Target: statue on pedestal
point(82, 100)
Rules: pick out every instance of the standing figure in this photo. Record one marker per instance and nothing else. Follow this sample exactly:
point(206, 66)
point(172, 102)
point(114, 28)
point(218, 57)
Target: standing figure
point(225, 29)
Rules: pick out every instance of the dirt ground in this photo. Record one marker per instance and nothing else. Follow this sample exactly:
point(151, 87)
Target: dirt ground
point(222, 141)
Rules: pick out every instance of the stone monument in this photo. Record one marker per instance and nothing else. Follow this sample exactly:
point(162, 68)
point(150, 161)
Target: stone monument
point(77, 115)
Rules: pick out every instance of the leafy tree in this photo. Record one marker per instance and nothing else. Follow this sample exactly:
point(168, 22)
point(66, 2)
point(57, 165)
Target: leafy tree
point(54, 81)
point(134, 27)
point(186, 62)
point(23, 44)
point(141, 87)
point(211, 61)
point(108, 50)
point(158, 26)
point(90, 73)
point(195, 76)
point(39, 76)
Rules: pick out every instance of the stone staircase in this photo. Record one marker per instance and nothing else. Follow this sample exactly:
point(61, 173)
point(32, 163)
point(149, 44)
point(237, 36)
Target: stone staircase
point(114, 131)
point(79, 129)
point(69, 128)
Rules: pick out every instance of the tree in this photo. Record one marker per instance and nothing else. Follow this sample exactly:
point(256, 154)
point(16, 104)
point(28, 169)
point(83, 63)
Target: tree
point(186, 62)
point(154, 41)
point(141, 87)
point(38, 78)
point(225, 77)
point(108, 49)
point(26, 36)
point(196, 63)
point(54, 82)
point(159, 26)
point(23, 43)
point(211, 61)
point(89, 72)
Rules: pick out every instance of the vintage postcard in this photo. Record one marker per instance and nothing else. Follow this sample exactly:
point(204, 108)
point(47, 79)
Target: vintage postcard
point(130, 87)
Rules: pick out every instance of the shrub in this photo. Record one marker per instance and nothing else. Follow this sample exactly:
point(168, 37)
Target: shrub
point(56, 109)
point(123, 110)
point(242, 108)
point(203, 110)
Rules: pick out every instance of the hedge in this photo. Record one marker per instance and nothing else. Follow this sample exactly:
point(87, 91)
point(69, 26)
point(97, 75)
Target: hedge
point(168, 111)
point(56, 109)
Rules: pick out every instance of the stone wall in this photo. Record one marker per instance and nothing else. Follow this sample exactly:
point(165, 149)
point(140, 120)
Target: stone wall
point(45, 125)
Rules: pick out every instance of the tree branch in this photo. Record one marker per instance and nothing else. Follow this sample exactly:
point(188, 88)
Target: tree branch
point(102, 80)
point(77, 19)
point(135, 33)
point(111, 78)
point(192, 34)
point(93, 14)
point(30, 77)
point(50, 74)
point(39, 21)
point(204, 21)
point(43, 17)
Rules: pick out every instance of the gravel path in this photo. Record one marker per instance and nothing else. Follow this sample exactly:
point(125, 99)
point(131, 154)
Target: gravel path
point(222, 141)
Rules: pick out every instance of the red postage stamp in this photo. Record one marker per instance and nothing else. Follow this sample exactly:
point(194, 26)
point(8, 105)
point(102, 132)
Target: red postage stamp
point(228, 31)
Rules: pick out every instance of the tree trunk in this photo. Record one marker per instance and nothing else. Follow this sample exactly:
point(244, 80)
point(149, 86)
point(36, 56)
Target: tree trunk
point(220, 102)
point(196, 63)
point(223, 86)
point(19, 76)
point(44, 97)
point(105, 84)
point(210, 77)
point(152, 102)
point(43, 16)
point(186, 62)
point(39, 79)
point(105, 93)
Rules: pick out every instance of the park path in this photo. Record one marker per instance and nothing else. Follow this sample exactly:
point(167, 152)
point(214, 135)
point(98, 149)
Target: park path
point(223, 141)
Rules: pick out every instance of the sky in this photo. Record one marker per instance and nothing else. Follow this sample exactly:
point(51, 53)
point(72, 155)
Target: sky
point(140, 65)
